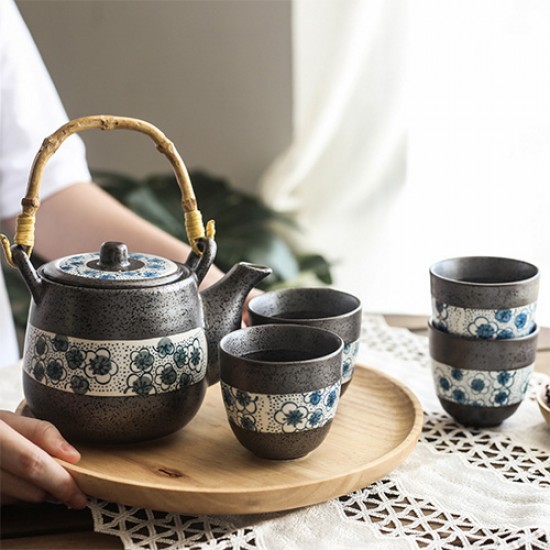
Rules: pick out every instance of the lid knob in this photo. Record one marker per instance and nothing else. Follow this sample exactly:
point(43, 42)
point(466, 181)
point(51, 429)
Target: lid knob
point(113, 256)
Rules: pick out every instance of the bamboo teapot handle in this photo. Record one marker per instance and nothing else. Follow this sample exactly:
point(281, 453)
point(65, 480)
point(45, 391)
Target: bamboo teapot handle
point(24, 233)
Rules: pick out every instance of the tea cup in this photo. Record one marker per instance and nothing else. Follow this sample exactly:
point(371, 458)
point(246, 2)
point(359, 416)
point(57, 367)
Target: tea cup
point(484, 297)
point(481, 382)
point(322, 307)
point(281, 386)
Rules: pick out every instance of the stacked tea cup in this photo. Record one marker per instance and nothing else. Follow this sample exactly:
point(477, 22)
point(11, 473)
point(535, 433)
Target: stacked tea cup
point(482, 336)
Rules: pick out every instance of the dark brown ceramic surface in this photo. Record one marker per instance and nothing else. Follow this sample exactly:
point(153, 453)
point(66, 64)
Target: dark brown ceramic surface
point(478, 382)
point(484, 282)
point(280, 386)
point(327, 308)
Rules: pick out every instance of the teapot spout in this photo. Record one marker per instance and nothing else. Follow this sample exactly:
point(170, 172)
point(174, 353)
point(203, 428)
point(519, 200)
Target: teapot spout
point(223, 304)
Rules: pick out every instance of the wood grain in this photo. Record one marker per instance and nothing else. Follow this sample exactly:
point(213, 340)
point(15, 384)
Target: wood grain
point(202, 469)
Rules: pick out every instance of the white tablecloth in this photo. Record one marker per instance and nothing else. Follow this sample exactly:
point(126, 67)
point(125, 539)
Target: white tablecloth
point(460, 488)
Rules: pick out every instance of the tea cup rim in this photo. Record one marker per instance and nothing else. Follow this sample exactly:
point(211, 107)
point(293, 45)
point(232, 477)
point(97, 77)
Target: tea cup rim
point(262, 297)
point(452, 280)
point(281, 327)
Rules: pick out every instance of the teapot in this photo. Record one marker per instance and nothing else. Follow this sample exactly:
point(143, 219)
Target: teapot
point(120, 346)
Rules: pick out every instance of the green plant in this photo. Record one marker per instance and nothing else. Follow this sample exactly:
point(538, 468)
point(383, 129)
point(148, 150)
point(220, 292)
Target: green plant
point(245, 229)
point(245, 226)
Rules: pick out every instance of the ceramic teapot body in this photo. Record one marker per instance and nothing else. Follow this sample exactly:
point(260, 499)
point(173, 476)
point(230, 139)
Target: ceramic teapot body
point(124, 355)
point(121, 347)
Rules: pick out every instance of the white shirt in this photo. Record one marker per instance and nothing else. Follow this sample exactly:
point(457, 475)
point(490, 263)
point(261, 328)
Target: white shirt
point(30, 110)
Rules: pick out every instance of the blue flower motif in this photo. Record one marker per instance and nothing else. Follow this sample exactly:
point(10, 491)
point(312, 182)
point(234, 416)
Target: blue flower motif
point(459, 396)
point(315, 397)
point(166, 376)
point(60, 343)
point(504, 377)
point(74, 357)
point(346, 367)
point(248, 422)
point(520, 320)
point(157, 263)
point(142, 360)
point(444, 383)
point(79, 384)
point(332, 399)
point(228, 400)
point(485, 331)
point(55, 370)
point(181, 357)
point(141, 385)
point(291, 417)
point(501, 397)
point(40, 346)
point(503, 315)
point(505, 334)
point(39, 371)
point(457, 374)
point(185, 380)
point(315, 418)
point(477, 385)
point(165, 347)
point(195, 353)
point(245, 402)
point(483, 328)
point(100, 366)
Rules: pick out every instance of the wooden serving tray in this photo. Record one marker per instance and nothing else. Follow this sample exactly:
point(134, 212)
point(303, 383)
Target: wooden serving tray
point(203, 469)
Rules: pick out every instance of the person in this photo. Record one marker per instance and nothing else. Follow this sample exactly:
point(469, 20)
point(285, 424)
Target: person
point(75, 215)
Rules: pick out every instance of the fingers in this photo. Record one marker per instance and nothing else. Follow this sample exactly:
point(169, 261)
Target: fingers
point(15, 489)
point(31, 465)
point(252, 294)
point(43, 434)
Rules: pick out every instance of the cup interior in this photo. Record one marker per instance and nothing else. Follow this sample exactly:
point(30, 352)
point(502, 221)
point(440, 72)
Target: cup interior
point(302, 304)
point(281, 344)
point(484, 270)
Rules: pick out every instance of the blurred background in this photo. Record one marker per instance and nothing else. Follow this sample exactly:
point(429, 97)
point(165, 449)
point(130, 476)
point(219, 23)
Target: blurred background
point(392, 133)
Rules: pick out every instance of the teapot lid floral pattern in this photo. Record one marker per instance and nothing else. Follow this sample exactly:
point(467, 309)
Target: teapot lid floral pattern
point(143, 267)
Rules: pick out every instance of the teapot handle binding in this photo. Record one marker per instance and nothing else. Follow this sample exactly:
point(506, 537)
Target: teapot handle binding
point(24, 234)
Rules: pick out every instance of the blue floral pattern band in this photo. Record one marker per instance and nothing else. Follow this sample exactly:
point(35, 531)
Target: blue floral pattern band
point(115, 367)
point(481, 388)
point(486, 324)
point(349, 358)
point(285, 413)
point(150, 267)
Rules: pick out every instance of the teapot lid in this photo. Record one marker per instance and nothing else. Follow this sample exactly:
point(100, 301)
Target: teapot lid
point(112, 266)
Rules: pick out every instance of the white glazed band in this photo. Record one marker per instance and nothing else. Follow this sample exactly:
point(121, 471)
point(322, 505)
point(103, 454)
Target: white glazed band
point(486, 324)
point(286, 413)
point(481, 388)
point(115, 368)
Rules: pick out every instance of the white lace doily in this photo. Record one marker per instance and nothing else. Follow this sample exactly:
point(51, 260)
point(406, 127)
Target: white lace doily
point(460, 488)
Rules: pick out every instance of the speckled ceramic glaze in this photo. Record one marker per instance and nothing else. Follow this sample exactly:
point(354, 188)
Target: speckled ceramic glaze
point(484, 297)
point(481, 382)
point(116, 347)
point(325, 308)
point(281, 387)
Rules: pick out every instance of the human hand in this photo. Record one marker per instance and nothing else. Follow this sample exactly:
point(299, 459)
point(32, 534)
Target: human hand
point(254, 292)
point(27, 470)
